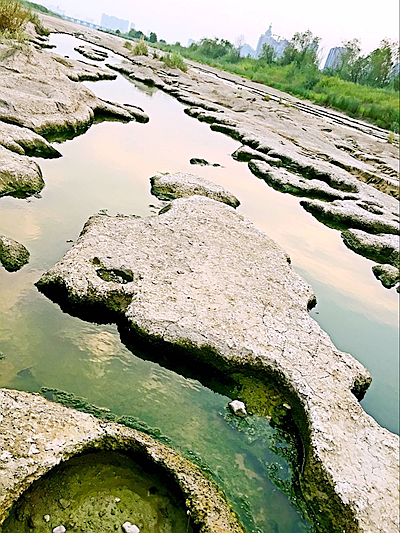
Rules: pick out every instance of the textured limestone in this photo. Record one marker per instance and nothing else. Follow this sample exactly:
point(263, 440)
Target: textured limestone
point(91, 53)
point(36, 435)
point(351, 214)
point(388, 275)
point(25, 142)
point(382, 246)
point(286, 181)
point(202, 278)
point(19, 175)
point(39, 94)
point(13, 255)
point(182, 185)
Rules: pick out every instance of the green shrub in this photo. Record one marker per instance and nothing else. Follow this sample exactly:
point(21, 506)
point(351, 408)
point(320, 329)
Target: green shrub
point(128, 45)
point(141, 49)
point(13, 17)
point(40, 29)
point(175, 60)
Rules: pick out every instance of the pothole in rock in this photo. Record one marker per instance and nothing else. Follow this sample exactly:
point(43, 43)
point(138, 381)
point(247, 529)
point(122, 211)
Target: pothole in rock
point(115, 275)
point(101, 491)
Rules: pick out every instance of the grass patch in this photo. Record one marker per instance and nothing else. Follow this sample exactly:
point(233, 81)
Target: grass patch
point(13, 18)
point(175, 60)
point(141, 49)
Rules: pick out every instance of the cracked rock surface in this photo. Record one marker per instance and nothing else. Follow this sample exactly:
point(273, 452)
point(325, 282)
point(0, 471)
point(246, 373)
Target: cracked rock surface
point(167, 186)
point(36, 435)
point(202, 278)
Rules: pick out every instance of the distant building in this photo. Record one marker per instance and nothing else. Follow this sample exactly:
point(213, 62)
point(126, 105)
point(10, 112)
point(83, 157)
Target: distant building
point(247, 50)
point(190, 41)
point(113, 23)
point(334, 59)
point(278, 43)
point(132, 26)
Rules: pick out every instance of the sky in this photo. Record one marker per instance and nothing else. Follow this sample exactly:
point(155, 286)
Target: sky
point(179, 20)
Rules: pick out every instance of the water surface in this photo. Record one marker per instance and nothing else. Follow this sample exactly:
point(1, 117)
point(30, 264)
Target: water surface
point(108, 168)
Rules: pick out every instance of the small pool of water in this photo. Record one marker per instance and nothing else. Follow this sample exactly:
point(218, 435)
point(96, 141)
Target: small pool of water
point(108, 168)
point(100, 492)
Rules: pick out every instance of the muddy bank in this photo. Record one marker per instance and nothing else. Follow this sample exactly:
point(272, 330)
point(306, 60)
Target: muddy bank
point(42, 99)
point(201, 278)
point(321, 153)
point(37, 435)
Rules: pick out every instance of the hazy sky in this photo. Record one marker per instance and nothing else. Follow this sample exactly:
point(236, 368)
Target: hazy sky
point(179, 20)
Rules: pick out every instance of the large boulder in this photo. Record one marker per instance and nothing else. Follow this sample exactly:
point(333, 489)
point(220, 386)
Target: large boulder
point(202, 279)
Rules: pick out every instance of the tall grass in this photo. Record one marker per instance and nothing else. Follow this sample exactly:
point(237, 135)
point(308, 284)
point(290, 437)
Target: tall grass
point(13, 17)
point(175, 60)
point(376, 105)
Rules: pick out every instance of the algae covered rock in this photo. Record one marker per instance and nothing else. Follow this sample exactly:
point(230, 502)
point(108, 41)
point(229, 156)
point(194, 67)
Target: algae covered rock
point(388, 275)
point(183, 185)
point(61, 434)
point(13, 255)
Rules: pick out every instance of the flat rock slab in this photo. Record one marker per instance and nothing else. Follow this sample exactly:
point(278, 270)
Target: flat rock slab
point(202, 278)
point(182, 185)
point(91, 53)
point(13, 255)
point(36, 435)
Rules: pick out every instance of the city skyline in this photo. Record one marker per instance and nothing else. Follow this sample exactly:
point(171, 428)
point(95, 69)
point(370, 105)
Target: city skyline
point(180, 21)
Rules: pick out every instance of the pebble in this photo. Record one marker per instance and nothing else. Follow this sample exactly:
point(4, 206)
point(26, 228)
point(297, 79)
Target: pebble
point(46, 518)
point(238, 408)
point(127, 527)
point(59, 529)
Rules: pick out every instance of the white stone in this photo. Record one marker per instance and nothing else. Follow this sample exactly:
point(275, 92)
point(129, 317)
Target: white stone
point(46, 518)
point(127, 527)
point(238, 408)
point(59, 529)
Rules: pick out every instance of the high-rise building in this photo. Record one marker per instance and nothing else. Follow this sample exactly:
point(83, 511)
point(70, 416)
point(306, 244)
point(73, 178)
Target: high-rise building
point(278, 43)
point(334, 59)
point(113, 23)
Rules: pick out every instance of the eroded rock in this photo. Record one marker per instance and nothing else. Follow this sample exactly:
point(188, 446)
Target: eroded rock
point(20, 176)
point(382, 246)
point(62, 433)
point(91, 53)
point(13, 255)
point(183, 185)
point(238, 408)
point(206, 281)
point(388, 275)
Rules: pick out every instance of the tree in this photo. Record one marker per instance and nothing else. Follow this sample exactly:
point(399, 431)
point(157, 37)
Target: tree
point(117, 32)
point(302, 49)
point(216, 48)
point(153, 37)
point(239, 43)
point(382, 62)
point(267, 54)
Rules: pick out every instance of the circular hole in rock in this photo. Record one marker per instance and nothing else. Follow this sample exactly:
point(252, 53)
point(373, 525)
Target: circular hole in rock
point(100, 492)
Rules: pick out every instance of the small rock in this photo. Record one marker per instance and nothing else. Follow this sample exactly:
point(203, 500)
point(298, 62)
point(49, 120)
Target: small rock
point(127, 527)
point(287, 406)
point(46, 518)
point(64, 503)
point(238, 408)
point(59, 529)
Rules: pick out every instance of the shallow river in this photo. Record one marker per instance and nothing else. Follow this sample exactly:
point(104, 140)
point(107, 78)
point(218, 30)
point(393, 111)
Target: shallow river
point(108, 168)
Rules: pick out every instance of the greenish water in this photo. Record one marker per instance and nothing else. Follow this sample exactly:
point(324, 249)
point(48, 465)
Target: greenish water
point(100, 492)
point(109, 168)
